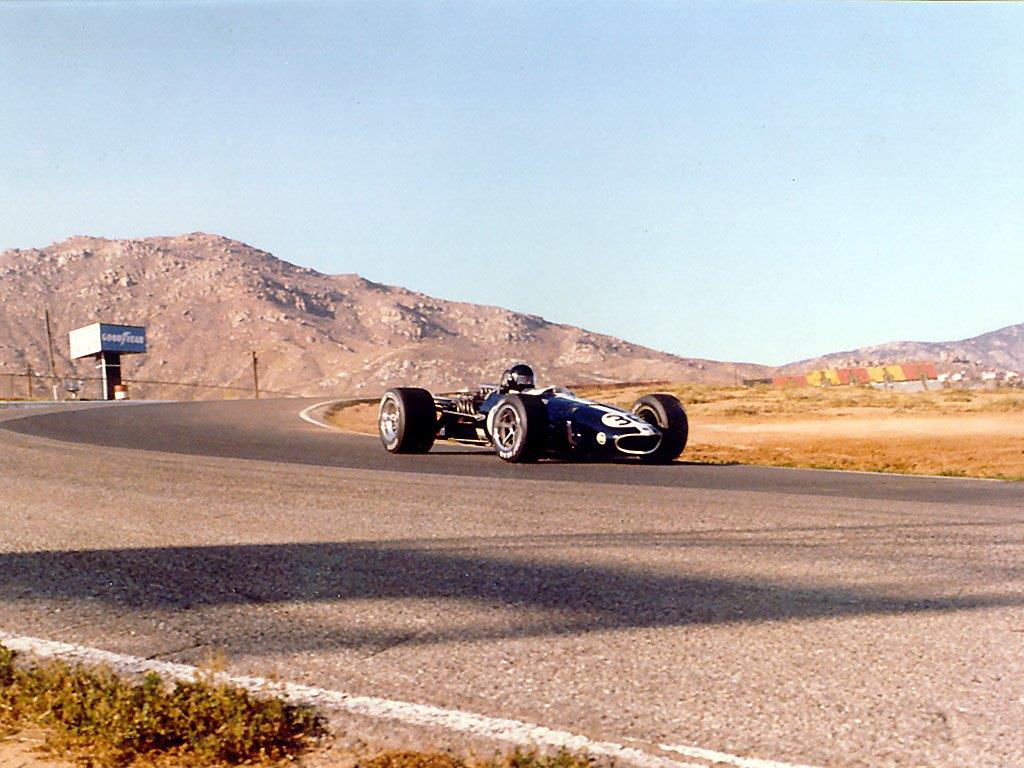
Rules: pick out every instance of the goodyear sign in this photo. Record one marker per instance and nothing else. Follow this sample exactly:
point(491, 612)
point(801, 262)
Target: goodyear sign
point(106, 337)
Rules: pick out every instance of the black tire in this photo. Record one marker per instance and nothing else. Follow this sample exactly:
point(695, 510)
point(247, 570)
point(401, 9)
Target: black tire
point(667, 414)
point(407, 420)
point(518, 427)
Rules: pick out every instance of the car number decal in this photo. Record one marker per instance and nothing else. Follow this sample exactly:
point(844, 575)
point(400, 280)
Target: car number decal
point(617, 420)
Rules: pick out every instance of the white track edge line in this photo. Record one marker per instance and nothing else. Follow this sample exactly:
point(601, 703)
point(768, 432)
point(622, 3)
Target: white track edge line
point(516, 732)
point(304, 414)
point(878, 473)
point(725, 757)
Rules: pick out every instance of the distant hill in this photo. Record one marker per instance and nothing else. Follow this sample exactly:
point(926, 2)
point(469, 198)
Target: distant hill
point(996, 350)
point(208, 300)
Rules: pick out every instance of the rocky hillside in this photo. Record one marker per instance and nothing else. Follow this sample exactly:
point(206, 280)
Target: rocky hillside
point(995, 351)
point(208, 300)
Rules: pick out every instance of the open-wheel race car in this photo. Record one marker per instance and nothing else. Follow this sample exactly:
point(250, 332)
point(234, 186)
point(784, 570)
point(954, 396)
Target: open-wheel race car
point(524, 423)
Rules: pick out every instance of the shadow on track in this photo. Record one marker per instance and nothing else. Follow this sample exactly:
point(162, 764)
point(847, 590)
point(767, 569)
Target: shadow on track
point(555, 598)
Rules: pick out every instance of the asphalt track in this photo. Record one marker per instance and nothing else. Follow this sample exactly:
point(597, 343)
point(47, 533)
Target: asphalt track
point(269, 430)
point(798, 617)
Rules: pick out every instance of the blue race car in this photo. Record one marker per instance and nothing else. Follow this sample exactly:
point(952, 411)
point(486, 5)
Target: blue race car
point(523, 423)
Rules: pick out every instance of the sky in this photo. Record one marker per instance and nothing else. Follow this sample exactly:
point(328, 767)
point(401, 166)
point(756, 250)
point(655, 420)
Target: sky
point(759, 181)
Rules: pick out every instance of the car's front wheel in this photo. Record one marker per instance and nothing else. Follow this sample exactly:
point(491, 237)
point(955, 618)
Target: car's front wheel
point(517, 425)
point(407, 420)
point(666, 413)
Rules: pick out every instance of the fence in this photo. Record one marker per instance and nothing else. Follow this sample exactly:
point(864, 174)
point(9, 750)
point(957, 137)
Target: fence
point(32, 385)
point(25, 386)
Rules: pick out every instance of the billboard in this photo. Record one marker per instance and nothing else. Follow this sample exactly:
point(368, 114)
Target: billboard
point(106, 337)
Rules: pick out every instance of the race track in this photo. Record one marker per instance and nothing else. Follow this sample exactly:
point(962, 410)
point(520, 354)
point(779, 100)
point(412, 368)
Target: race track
point(695, 613)
point(269, 430)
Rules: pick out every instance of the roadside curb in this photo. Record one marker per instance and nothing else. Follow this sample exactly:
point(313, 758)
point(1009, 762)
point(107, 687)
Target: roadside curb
point(506, 730)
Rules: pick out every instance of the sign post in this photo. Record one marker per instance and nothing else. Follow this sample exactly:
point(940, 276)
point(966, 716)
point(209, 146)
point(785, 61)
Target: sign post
point(255, 376)
point(49, 347)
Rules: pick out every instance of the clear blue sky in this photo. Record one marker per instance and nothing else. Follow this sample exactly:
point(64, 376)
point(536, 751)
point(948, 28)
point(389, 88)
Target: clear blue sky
point(747, 181)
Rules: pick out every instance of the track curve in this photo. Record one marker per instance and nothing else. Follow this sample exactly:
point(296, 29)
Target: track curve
point(823, 616)
point(271, 430)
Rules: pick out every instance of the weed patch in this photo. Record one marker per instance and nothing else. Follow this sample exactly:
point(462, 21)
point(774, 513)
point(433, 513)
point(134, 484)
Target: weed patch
point(101, 719)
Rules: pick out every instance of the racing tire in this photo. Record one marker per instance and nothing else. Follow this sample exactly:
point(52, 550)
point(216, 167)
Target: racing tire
point(666, 413)
point(407, 420)
point(518, 425)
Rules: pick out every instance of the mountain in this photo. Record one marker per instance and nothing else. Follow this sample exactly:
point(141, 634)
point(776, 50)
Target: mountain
point(1001, 350)
point(207, 301)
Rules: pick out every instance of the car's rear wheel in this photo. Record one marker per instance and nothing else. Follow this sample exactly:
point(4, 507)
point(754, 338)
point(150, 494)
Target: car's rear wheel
point(518, 424)
point(407, 420)
point(666, 413)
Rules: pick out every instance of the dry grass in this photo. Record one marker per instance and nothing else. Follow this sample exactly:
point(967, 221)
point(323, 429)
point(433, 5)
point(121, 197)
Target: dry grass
point(957, 432)
point(360, 417)
point(97, 718)
point(996, 457)
point(970, 433)
point(801, 402)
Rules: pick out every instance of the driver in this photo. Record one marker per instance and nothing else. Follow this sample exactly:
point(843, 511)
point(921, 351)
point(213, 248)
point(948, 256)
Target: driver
point(518, 378)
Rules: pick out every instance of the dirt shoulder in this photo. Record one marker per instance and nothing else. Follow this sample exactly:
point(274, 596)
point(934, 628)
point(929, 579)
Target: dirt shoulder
point(948, 432)
point(24, 751)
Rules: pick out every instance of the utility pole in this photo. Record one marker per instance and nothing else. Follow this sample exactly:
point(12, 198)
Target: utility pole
point(255, 376)
point(49, 347)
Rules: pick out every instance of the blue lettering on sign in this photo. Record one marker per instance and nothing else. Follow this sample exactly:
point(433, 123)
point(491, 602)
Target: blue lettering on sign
point(122, 338)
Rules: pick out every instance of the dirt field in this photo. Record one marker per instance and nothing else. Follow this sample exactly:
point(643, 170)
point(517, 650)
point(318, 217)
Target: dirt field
point(945, 432)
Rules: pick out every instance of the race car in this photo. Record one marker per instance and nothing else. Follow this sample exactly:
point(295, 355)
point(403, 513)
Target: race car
point(523, 423)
